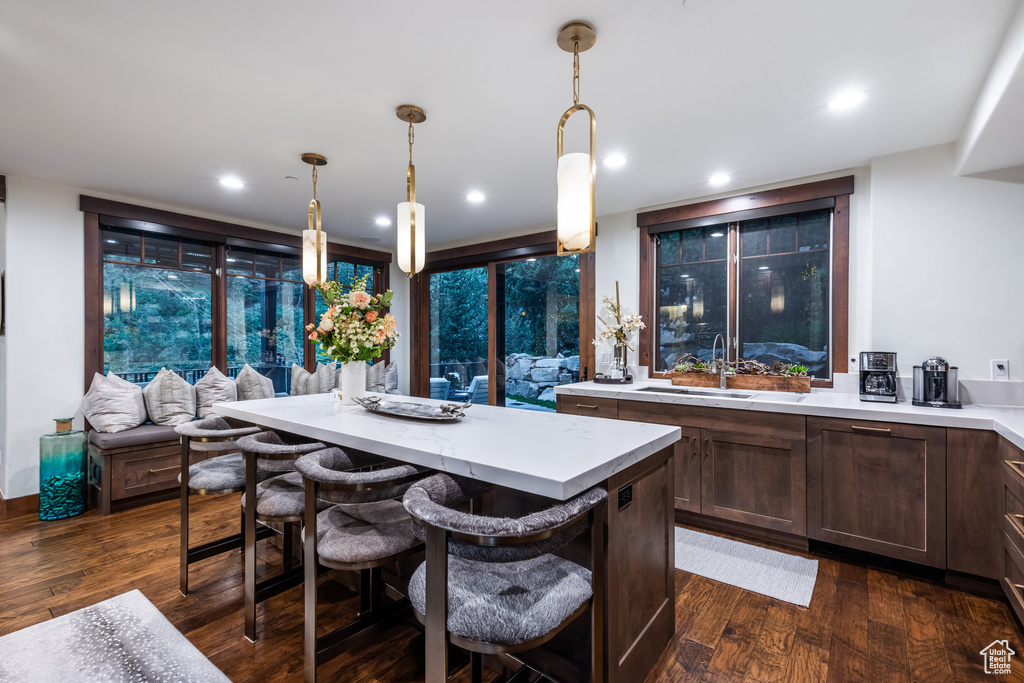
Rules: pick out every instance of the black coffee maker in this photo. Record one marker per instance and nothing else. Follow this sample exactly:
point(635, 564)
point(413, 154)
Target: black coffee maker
point(936, 384)
point(878, 376)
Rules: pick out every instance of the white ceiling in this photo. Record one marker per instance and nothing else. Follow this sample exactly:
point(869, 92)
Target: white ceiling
point(156, 100)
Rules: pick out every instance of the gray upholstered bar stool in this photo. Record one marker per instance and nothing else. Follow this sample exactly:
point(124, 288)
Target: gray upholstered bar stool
point(278, 499)
point(213, 476)
point(491, 585)
point(365, 528)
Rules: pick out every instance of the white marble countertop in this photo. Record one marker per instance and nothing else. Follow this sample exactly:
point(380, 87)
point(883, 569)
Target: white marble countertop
point(1007, 421)
point(552, 455)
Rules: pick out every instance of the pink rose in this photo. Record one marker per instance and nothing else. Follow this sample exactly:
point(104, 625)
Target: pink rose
point(371, 316)
point(359, 299)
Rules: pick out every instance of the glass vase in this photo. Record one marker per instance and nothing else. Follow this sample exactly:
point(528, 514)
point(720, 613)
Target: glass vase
point(618, 369)
point(62, 468)
point(353, 381)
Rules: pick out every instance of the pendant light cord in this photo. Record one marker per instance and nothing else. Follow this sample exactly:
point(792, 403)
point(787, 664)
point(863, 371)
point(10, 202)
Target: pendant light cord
point(314, 181)
point(412, 137)
point(575, 71)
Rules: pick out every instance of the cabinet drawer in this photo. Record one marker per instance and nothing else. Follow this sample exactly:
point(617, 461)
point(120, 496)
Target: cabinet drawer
point(1012, 579)
point(1013, 487)
point(148, 475)
point(585, 405)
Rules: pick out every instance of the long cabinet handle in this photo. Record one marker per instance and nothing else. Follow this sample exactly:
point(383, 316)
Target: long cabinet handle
point(871, 430)
point(707, 447)
point(586, 405)
point(695, 446)
point(165, 469)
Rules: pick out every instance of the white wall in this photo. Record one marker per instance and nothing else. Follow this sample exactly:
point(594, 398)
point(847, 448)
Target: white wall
point(948, 264)
point(42, 356)
point(45, 325)
point(935, 262)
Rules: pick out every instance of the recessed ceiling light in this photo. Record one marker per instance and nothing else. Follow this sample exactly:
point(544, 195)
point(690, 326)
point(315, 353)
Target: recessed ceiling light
point(383, 221)
point(718, 234)
point(476, 197)
point(615, 161)
point(848, 99)
point(232, 182)
point(685, 275)
point(719, 179)
point(110, 241)
point(762, 267)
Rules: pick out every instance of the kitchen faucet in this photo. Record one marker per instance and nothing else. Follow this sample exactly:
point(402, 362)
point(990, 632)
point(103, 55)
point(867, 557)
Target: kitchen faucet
point(721, 366)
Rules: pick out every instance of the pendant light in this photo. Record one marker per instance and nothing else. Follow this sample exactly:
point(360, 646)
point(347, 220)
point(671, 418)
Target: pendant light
point(412, 224)
point(314, 240)
point(577, 171)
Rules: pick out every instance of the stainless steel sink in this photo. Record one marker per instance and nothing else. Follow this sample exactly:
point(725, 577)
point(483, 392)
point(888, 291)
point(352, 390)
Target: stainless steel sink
point(696, 392)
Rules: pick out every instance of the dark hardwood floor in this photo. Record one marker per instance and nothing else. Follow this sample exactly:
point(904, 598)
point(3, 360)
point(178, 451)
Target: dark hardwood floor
point(864, 624)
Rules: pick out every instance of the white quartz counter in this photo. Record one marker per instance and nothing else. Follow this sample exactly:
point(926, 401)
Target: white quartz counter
point(552, 455)
point(1006, 421)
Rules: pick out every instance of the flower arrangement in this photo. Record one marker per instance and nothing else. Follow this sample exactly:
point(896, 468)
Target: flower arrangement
point(624, 324)
point(354, 326)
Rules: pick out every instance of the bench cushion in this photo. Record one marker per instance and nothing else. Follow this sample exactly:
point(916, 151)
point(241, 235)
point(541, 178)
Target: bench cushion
point(143, 435)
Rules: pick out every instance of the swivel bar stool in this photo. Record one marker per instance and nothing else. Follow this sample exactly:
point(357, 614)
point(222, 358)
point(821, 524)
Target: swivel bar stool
point(211, 477)
point(364, 529)
point(491, 585)
point(277, 499)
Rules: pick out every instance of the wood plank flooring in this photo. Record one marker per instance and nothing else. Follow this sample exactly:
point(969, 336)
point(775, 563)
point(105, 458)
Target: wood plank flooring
point(864, 624)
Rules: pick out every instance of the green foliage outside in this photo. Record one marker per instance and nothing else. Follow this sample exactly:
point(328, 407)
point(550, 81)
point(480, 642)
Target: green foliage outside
point(550, 405)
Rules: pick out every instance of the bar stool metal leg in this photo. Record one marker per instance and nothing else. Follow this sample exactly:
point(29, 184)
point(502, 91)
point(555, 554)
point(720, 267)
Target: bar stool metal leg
point(183, 558)
point(250, 546)
point(436, 625)
point(309, 564)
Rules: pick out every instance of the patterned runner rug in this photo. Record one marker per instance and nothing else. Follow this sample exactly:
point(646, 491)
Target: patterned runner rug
point(768, 572)
point(120, 640)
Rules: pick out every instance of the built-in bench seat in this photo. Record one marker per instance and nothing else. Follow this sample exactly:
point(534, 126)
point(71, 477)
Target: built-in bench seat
point(135, 466)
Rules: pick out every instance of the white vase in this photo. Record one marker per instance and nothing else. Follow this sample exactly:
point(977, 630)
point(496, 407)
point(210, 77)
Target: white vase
point(353, 381)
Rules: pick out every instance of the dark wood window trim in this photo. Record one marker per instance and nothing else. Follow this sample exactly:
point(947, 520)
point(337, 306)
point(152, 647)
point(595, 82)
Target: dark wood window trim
point(129, 216)
point(731, 209)
point(488, 254)
point(3, 188)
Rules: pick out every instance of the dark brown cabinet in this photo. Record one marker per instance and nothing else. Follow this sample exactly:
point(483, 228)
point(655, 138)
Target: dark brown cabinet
point(1011, 566)
point(687, 470)
point(585, 405)
point(973, 513)
point(755, 479)
point(878, 487)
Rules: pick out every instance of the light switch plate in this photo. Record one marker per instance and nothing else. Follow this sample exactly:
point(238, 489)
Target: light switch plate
point(1001, 370)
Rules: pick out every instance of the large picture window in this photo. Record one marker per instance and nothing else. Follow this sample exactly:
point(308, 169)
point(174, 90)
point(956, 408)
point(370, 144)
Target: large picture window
point(156, 306)
point(169, 290)
point(771, 279)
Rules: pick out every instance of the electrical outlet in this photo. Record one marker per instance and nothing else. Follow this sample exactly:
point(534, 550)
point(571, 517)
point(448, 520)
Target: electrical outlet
point(1001, 370)
point(854, 367)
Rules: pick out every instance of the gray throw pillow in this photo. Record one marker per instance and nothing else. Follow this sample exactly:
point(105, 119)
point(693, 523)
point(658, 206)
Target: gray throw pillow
point(214, 387)
point(305, 383)
point(391, 378)
point(251, 385)
point(170, 400)
point(375, 377)
point(113, 404)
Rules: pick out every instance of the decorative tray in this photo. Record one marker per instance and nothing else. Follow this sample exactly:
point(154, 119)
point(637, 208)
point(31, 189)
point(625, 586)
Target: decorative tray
point(446, 412)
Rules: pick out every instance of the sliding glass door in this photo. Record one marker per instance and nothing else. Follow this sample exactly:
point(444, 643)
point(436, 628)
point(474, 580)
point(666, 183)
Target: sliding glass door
point(458, 339)
point(538, 310)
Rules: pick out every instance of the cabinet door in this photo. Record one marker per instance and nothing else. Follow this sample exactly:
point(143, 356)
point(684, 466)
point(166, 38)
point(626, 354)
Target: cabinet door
point(687, 466)
point(754, 479)
point(973, 513)
point(586, 405)
point(878, 487)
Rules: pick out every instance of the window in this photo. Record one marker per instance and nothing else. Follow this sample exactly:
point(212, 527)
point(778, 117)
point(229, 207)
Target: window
point(502, 322)
point(265, 314)
point(167, 290)
point(157, 295)
point(772, 279)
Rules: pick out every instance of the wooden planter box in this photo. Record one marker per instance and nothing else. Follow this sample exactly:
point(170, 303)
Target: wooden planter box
point(748, 382)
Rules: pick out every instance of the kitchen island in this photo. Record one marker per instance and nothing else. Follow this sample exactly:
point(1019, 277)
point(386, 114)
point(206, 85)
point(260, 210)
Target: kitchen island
point(536, 457)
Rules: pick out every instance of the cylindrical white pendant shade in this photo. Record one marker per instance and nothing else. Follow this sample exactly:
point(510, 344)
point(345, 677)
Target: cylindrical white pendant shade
point(575, 216)
point(406, 240)
point(309, 275)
